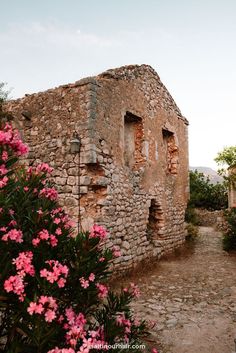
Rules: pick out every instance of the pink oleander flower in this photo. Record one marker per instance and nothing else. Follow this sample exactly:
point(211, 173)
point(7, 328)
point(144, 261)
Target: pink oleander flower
point(50, 315)
point(23, 263)
point(15, 284)
point(154, 350)
point(103, 290)
point(133, 289)
point(56, 210)
point(122, 321)
point(4, 156)
point(75, 326)
point(49, 193)
point(116, 251)
point(91, 277)
point(36, 241)
point(44, 167)
point(40, 211)
point(61, 350)
point(3, 169)
point(45, 235)
point(84, 282)
point(12, 223)
point(26, 188)
point(3, 182)
point(56, 220)
point(35, 308)
point(98, 232)
point(57, 273)
point(58, 231)
point(11, 138)
point(46, 306)
point(14, 235)
point(53, 240)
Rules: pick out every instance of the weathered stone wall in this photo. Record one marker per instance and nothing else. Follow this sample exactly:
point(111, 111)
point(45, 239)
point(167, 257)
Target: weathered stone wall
point(209, 218)
point(133, 165)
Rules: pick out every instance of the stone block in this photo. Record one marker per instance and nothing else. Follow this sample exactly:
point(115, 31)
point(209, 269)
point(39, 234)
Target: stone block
point(85, 180)
point(83, 190)
point(125, 245)
point(101, 181)
point(71, 180)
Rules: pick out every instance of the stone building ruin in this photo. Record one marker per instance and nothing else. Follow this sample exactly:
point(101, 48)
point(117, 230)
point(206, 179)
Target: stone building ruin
point(132, 171)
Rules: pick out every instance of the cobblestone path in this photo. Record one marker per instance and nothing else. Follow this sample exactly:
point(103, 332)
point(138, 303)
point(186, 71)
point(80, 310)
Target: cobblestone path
point(192, 297)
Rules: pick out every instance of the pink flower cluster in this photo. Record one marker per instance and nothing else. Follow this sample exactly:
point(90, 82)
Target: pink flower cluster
point(62, 350)
point(98, 232)
point(3, 182)
point(75, 326)
point(44, 168)
point(45, 235)
point(57, 274)
point(4, 156)
point(15, 284)
point(103, 290)
point(133, 289)
point(76, 330)
point(3, 169)
point(13, 234)
point(39, 169)
point(61, 218)
point(122, 321)
point(12, 140)
point(49, 193)
point(46, 306)
point(23, 264)
point(85, 282)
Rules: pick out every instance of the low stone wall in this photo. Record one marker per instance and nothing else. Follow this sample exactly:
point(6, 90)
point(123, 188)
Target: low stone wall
point(210, 218)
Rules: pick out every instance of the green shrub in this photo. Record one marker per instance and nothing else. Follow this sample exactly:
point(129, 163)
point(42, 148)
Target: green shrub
point(192, 232)
point(204, 194)
point(229, 238)
point(191, 215)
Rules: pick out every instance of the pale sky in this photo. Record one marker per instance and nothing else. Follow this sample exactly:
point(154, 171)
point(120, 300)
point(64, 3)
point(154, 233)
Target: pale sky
point(190, 43)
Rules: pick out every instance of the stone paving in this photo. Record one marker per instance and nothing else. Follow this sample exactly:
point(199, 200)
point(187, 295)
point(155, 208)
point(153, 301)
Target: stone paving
point(192, 298)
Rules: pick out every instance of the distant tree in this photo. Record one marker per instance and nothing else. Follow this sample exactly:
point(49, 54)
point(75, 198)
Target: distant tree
point(227, 159)
point(3, 93)
point(204, 194)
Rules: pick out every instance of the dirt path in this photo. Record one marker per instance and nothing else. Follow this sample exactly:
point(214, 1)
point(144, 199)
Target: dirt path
point(192, 298)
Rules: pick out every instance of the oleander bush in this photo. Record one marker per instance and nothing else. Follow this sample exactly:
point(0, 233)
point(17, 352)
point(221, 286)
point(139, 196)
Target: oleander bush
point(54, 293)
